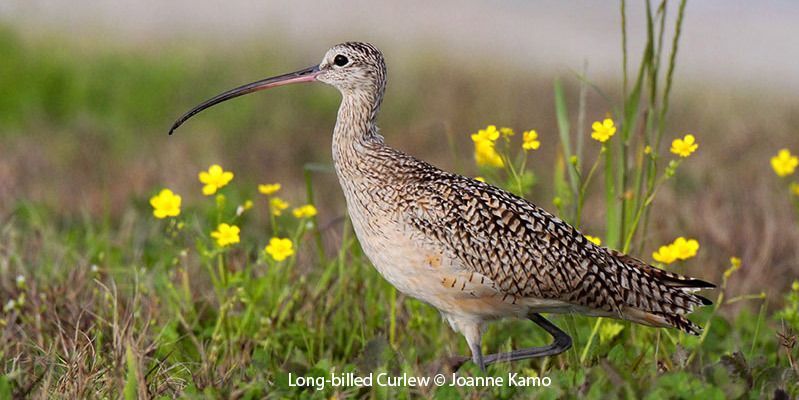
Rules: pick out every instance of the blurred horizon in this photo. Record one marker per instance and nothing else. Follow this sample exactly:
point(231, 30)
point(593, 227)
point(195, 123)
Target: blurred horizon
point(728, 42)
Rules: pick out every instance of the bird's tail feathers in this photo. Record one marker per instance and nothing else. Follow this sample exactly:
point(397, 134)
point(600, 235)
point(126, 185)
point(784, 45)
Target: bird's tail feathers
point(656, 297)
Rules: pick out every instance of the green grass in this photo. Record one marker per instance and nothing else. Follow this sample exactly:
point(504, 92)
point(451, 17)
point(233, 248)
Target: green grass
point(132, 308)
point(113, 303)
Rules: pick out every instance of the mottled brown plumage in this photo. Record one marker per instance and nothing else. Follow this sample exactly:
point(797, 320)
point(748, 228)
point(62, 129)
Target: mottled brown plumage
point(472, 250)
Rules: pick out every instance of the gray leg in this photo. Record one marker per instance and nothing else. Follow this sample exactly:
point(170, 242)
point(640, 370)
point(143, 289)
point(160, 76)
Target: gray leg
point(562, 342)
point(477, 356)
point(473, 333)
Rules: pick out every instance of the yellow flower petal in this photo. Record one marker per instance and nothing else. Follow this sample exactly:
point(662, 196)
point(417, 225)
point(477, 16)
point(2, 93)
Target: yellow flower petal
point(490, 133)
point(165, 204)
point(784, 163)
point(269, 188)
point(306, 211)
point(665, 255)
point(602, 131)
point(530, 140)
point(486, 155)
point(226, 235)
point(595, 240)
point(505, 131)
point(683, 147)
point(277, 205)
point(685, 248)
point(279, 248)
point(214, 179)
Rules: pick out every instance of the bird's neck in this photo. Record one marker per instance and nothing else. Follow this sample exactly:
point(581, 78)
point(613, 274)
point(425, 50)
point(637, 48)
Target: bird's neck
point(356, 137)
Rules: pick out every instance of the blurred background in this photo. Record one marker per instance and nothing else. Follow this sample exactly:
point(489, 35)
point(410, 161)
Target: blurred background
point(89, 90)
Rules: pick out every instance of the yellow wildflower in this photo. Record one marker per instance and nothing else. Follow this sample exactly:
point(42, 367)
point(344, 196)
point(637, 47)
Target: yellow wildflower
point(279, 249)
point(486, 154)
point(595, 240)
point(226, 234)
point(665, 255)
point(603, 130)
point(735, 264)
point(685, 146)
point(479, 179)
point(680, 249)
point(685, 248)
point(784, 163)
point(277, 205)
point(506, 132)
point(269, 188)
point(648, 149)
point(795, 286)
point(530, 140)
point(609, 330)
point(165, 204)
point(484, 151)
point(305, 211)
point(795, 188)
point(490, 133)
point(214, 179)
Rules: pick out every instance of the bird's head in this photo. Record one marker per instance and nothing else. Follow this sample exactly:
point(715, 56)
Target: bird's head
point(353, 68)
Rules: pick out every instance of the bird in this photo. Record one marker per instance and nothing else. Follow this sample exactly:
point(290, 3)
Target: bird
point(475, 252)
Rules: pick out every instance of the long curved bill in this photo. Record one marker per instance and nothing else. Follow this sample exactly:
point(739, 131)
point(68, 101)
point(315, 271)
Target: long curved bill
point(304, 75)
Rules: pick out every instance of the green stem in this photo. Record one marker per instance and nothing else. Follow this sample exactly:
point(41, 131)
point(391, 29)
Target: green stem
point(623, 6)
point(512, 172)
point(583, 188)
point(644, 206)
point(392, 324)
point(760, 317)
point(220, 265)
point(594, 332)
point(563, 130)
point(612, 234)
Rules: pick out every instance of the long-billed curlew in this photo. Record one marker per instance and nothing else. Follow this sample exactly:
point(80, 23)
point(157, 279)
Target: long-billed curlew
point(475, 252)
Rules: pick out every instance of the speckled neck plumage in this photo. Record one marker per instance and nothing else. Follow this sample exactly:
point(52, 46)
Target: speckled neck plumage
point(356, 140)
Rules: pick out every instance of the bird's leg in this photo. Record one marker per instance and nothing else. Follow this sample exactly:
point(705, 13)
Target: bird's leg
point(474, 337)
point(477, 356)
point(562, 342)
point(472, 331)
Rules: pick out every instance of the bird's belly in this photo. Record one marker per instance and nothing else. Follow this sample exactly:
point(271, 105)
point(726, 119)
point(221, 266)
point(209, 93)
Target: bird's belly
point(402, 263)
point(425, 272)
point(428, 274)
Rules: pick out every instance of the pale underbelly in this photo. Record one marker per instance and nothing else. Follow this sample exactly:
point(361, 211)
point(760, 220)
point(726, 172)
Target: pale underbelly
point(428, 274)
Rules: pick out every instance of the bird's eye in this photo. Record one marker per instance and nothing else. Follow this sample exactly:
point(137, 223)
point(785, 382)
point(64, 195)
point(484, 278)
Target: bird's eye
point(340, 60)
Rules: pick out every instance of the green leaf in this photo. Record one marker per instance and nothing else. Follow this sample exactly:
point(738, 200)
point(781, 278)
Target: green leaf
point(132, 379)
point(5, 388)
